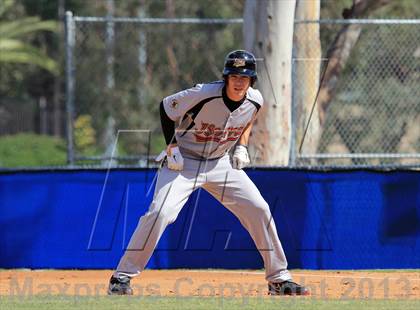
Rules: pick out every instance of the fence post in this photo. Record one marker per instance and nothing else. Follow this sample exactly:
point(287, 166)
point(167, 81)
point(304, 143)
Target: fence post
point(293, 124)
point(70, 41)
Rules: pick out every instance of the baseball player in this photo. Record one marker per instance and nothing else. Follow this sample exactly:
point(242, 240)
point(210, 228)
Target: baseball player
point(201, 125)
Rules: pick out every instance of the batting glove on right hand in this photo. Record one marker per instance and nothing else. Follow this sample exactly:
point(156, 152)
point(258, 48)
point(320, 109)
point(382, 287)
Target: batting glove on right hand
point(240, 157)
point(174, 158)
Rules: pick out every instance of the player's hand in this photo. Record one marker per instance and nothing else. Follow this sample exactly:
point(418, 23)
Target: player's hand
point(174, 158)
point(240, 157)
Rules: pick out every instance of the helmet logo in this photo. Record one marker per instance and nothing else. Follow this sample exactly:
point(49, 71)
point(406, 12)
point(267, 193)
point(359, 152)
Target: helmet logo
point(238, 62)
point(174, 104)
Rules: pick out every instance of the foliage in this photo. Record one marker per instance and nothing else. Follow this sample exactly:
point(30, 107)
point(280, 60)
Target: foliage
point(174, 57)
point(84, 135)
point(395, 9)
point(375, 107)
point(29, 150)
point(13, 49)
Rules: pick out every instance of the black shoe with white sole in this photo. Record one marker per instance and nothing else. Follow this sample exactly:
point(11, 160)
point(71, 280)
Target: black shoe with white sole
point(287, 288)
point(120, 286)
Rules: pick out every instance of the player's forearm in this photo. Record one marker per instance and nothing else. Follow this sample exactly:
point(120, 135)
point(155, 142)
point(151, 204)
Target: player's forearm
point(168, 126)
point(244, 138)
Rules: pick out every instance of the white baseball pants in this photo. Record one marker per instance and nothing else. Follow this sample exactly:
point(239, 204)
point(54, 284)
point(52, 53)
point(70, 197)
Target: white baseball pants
point(232, 188)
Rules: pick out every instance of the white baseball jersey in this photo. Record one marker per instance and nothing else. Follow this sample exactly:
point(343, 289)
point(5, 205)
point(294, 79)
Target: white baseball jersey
point(208, 125)
point(205, 127)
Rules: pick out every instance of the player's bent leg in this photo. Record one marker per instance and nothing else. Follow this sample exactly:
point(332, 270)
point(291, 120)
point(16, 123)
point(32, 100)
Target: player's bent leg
point(242, 198)
point(171, 193)
point(145, 238)
point(239, 194)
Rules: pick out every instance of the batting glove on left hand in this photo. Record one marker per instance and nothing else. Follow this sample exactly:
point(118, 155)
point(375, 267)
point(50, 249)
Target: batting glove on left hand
point(174, 158)
point(240, 157)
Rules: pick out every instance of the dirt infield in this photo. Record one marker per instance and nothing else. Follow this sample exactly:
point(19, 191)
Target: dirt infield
point(213, 283)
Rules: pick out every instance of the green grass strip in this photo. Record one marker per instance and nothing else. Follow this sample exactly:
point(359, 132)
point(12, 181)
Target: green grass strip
point(186, 303)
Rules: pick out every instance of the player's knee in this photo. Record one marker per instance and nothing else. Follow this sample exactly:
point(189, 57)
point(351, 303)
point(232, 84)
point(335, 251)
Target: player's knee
point(167, 215)
point(163, 215)
point(261, 209)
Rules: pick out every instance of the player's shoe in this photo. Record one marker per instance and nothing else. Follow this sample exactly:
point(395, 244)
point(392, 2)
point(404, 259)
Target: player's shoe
point(287, 288)
point(119, 286)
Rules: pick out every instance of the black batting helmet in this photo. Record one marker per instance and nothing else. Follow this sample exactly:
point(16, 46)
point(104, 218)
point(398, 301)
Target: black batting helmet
point(241, 62)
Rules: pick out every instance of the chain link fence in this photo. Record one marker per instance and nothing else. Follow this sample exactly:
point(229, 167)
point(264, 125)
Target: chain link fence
point(368, 107)
point(368, 113)
point(121, 68)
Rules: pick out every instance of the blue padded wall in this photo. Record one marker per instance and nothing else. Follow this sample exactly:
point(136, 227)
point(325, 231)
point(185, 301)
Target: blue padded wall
point(326, 220)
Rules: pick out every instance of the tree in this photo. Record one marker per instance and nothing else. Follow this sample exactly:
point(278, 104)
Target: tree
point(268, 32)
point(341, 48)
point(177, 56)
point(366, 103)
point(12, 47)
point(307, 49)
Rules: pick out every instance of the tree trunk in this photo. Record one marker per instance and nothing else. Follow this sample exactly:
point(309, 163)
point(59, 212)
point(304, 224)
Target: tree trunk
point(170, 49)
point(109, 45)
point(338, 55)
point(268, 32)
point(307, 55)
point(340, 51)
point(142, 55)
point(57, 97)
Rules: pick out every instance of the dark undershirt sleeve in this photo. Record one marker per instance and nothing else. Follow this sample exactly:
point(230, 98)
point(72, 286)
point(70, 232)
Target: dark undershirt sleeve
point(168, 126)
